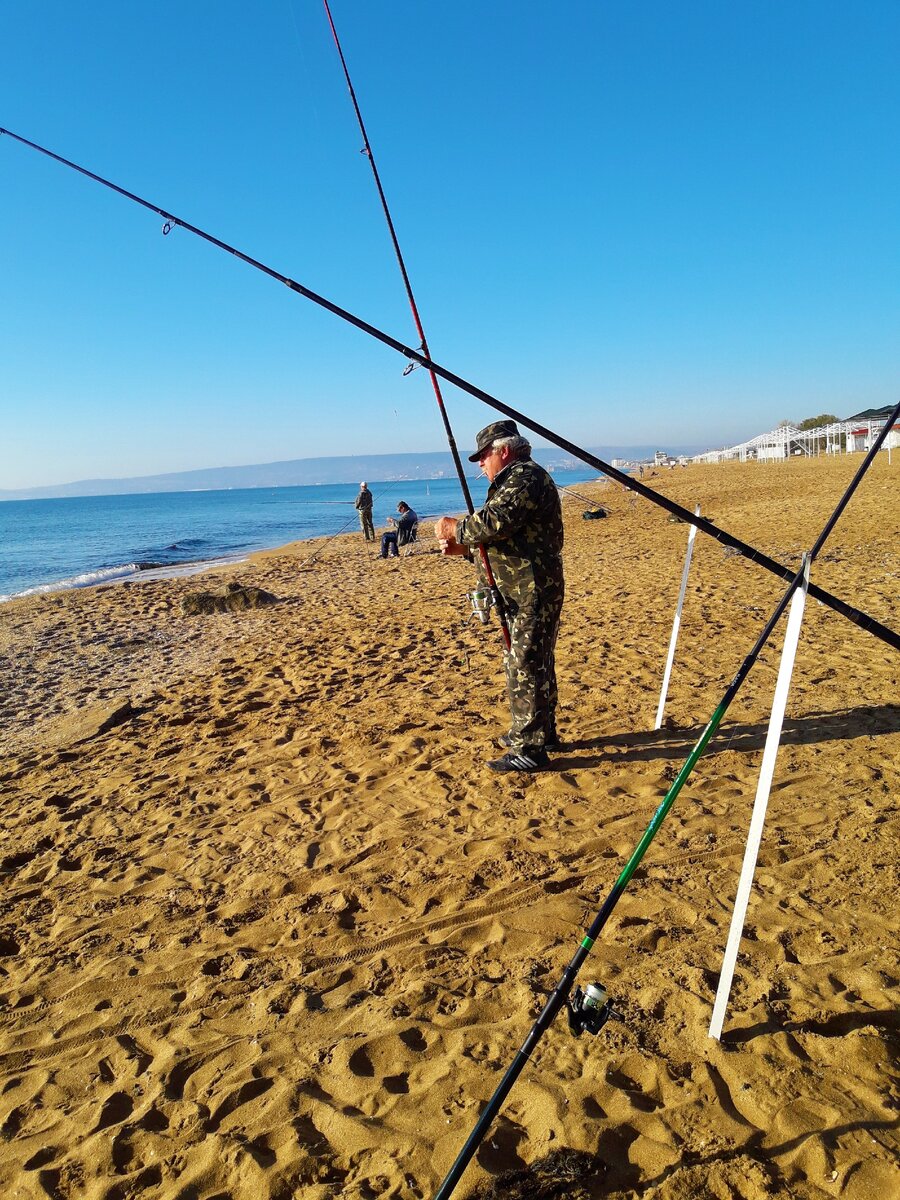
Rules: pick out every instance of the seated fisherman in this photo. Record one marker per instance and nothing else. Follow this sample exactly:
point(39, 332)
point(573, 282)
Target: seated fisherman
point(406, 523)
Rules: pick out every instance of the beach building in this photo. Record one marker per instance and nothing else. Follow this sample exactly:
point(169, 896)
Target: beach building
point(867, 426)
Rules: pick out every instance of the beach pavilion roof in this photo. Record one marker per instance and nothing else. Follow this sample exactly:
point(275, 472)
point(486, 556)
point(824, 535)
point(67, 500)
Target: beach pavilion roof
point(871, 414)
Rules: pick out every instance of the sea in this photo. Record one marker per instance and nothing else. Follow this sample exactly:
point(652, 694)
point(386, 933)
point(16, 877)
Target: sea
point(85, 541)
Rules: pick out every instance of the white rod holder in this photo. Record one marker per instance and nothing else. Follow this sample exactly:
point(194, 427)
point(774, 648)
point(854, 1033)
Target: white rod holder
point(757, 820)
point(673, 641)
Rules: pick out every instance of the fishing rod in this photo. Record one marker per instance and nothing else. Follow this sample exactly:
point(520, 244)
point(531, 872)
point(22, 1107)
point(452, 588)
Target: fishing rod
point(584, 499)
point(590, 1009)
point(496, 596)
point(862, 619)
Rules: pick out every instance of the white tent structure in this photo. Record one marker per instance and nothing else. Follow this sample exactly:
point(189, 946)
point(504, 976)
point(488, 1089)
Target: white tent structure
point(853, 434)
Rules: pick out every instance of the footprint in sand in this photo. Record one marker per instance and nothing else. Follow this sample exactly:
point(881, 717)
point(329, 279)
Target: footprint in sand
point(117, 1108)
point(243, 1095)
point(499, 1151)
point(371, 1076)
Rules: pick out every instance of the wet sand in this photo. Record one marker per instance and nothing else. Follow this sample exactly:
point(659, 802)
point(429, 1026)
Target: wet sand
point(270, 928)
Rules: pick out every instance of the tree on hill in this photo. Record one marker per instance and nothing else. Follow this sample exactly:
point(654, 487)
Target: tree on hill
point(815, 422)
point(810, 422)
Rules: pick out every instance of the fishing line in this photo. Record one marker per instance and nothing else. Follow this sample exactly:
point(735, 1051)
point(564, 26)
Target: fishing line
point(855, 615)
point(589, 1010)
point(497, 597)
point(305, 561)
point(310, 103)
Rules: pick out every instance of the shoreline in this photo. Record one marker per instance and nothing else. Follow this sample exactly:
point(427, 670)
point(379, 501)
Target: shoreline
point(253, 536)
point(128, 574)
point(271, 927)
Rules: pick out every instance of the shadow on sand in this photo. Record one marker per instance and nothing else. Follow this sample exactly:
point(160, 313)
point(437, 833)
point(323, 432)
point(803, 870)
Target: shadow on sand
point(668, 743)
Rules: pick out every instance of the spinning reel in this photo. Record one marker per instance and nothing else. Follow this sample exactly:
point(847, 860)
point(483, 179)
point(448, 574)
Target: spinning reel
point(482, 601)
point(590, 1009)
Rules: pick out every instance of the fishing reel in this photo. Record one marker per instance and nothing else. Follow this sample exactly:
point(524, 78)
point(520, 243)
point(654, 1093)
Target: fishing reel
point(482, 601)
point(590, 1009)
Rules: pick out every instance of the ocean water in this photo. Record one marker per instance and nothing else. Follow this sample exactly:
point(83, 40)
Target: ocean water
point(50, 545)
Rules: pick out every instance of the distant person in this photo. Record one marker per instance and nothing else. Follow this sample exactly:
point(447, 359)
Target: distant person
point(521, 525)
point(363, 504)
point(406, 524)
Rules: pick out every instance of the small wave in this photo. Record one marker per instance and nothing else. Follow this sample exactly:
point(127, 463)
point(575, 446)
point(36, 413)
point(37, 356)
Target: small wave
point(86, 579)
point(117, 574)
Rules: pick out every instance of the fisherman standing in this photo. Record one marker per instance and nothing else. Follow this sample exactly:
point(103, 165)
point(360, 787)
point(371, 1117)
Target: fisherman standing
point(363, 505)
point(521, 525)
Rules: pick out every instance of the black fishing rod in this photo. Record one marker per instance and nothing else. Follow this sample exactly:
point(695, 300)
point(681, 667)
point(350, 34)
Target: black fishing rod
point(584, 499)
point(482, 550)
point(863, 620)
point(590, 1009)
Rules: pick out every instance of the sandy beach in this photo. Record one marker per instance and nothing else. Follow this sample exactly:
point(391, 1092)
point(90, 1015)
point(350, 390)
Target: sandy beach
point(271, 929)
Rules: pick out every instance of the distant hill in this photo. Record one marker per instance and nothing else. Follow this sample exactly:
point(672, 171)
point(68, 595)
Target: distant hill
point(374, 468)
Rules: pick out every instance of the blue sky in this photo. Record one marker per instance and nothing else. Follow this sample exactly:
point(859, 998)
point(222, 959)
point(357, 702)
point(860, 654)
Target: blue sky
point(640, 223)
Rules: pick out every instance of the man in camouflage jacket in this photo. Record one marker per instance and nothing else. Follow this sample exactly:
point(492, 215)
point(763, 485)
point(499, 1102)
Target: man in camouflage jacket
point(520, 524)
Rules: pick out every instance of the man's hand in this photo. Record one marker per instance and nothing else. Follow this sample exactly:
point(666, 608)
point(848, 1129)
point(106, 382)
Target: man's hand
point(445, 529)
point(445, 532)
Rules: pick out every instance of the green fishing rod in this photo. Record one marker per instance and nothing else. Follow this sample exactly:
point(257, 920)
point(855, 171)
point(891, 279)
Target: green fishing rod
point(863, 620)
point(590, 1009)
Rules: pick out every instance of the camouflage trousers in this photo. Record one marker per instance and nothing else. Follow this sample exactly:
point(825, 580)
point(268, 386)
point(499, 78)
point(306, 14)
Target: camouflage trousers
point(365, 520)
point(531, 670)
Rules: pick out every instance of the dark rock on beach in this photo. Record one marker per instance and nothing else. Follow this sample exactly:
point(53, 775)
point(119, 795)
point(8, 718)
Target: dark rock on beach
point(230, 598)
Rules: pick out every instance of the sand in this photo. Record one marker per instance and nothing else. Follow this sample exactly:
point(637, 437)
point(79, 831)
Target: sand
point(271, 929)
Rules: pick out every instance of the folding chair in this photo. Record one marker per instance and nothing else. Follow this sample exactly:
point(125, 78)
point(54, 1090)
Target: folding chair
point(407, 538)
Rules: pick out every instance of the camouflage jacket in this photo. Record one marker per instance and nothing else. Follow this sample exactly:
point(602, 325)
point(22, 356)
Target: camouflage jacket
point(521, 526)
point(363, 500)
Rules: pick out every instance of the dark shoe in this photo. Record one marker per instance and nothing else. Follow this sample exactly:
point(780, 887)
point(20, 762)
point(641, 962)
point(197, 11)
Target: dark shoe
point(521, 760)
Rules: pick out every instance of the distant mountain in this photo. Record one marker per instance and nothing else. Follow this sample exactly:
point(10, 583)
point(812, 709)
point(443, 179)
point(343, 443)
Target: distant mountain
point(374, 468)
